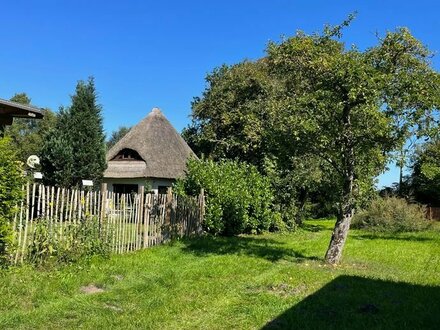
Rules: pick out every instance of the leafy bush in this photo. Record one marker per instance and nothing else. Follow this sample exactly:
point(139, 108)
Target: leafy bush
point(5, 240)
point(239, 199)
point(79, 241)
point(11, 181)
point(391, 214)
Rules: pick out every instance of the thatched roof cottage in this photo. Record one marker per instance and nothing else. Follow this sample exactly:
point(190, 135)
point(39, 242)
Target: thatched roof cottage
point(152, 154)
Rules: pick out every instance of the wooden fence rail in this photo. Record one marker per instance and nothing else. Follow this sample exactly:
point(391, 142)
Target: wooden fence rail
point(129, 222)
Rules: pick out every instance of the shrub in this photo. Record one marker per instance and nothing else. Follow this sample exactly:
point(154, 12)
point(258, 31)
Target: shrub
point(239, 199)
point(11, 181)
point(391, 214)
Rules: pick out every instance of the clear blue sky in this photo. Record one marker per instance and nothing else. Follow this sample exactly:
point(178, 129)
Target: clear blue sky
point(146, 54)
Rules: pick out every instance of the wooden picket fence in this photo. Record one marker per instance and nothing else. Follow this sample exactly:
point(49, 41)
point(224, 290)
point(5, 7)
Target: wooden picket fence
point(433, 213)
point(130, 221)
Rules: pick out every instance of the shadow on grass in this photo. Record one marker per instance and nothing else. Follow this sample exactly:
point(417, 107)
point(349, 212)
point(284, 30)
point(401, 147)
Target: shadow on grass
point(314, 228)
point(258, 247)
point(395, 237)
point(351, 302)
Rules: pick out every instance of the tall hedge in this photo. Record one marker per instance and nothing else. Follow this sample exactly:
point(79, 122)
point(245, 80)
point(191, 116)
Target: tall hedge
point(11, 181)
point(239, 199)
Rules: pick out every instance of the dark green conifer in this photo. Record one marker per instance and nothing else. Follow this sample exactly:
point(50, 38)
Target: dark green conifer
point(76, 148)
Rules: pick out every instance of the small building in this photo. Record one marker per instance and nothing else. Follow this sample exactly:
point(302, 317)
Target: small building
point(152, 154)
point(10, 110)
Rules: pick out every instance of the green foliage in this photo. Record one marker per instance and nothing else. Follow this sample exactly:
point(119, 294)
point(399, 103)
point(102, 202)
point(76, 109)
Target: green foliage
point(87, 134)
point(229, 119)
point(314, 98)
point(27, 135)
point(233, 120)
point(6, 238)
point(425, 177)
point(393, 215)
point(117, 135)
point(21, 98)
point(11, 181)
point(78, 242)
point(75, 148)
point(238, 198)
point(57, 156)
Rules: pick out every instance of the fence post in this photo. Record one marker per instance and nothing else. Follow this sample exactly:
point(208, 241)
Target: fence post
point(139, 236)
point(146, 208)
point(168, 204)
point(202, 209)
point(103, 204)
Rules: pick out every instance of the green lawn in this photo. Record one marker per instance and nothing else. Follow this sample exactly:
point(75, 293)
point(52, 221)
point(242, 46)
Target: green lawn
point(270, 281)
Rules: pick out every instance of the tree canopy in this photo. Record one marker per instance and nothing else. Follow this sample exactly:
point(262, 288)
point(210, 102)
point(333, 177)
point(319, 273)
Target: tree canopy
point(27, 135)
point(312, 99)
point(425, 176)
point(75, 149)
point(117, 135)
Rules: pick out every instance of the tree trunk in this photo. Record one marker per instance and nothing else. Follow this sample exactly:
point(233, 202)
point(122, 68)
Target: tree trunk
point(346, 206)
point(340, 232)
point(401, 162)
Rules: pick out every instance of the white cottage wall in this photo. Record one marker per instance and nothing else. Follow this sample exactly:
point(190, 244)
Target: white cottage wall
point(151, 184)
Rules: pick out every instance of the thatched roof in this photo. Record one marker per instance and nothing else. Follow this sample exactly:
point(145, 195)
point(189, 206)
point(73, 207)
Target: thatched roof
point(163, 151)
point(126, 169)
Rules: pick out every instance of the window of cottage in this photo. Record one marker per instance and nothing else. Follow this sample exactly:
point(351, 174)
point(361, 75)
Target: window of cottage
point(127, 154)
point(162, 190)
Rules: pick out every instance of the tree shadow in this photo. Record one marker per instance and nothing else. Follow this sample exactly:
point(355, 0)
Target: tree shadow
point(351, 302)
point(395, 237)
point(314, 228)
point(266, 248)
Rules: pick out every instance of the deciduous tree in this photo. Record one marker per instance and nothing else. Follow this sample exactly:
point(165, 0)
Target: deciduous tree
point(425, 176)
point(27, 135)
point(320, 99)
point(345, 101)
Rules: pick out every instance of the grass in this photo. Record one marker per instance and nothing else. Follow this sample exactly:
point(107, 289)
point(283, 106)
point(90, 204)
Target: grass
point(272, 281)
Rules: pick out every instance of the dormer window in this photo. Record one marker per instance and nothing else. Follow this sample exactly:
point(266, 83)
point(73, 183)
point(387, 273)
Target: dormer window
point(127, 154)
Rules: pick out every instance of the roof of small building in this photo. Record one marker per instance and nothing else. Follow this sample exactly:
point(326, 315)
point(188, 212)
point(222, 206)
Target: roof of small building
point(126, 169)
point(163, 151)
point(14, 109)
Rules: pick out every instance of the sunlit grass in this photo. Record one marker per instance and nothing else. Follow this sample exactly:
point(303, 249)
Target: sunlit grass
point(245, 282)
